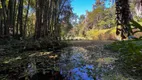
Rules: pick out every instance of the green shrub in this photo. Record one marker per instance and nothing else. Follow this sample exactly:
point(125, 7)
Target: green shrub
point(92, 34)
point(104, 34)
point(130, 57)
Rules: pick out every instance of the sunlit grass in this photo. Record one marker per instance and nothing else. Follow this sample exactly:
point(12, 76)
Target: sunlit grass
point(12, 59)
point(40, 54)
point(106, 60)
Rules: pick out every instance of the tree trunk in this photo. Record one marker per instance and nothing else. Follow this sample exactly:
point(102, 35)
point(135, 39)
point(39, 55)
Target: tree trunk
point(10, 16)
point(19, 26)
point(1, 23)
point(38, 19)
point(14, 17)
point(26, 18)
point(4, 10)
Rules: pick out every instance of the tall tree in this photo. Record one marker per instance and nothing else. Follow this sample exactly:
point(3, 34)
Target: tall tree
point(26, 18)
point(123, 18)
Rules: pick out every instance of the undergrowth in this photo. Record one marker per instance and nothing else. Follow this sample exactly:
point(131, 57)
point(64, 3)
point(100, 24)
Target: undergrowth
point(129, 57)
point(16, 55)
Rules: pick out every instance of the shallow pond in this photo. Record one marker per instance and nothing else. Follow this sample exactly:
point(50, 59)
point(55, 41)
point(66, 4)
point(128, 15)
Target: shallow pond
point(91, 62)
point(77, 63)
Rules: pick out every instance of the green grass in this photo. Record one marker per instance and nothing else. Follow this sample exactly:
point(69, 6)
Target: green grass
point(129, 57)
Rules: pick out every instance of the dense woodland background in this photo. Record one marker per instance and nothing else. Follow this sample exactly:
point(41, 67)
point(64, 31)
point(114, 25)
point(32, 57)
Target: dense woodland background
point(55, 19)
point(33, 18)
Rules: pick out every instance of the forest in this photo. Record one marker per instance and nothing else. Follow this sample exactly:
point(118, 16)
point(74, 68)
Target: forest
point(46, 40)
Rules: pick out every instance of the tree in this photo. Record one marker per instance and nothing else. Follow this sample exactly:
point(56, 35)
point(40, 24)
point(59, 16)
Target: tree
point(74, 19)
point(124, 17)
point(12, 19)
point(16, 17)
point(49, 13)
point(81, 18)
point(19, 24)
point(122, 12)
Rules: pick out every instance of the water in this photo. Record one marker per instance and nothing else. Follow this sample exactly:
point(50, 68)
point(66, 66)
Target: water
point(78, 63)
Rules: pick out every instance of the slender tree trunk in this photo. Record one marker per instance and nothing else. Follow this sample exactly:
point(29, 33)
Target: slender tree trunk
point(17, 22)
point(0, 22)
point(4, 10)
point(21, 17)
point(49, 18)
point(26, 18)
point(10, 16)
point(19, 26)
point(14, 17)
point(38, 19)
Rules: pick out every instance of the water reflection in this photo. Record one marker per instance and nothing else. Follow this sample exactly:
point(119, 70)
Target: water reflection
point(74, 64)
point(77, 63)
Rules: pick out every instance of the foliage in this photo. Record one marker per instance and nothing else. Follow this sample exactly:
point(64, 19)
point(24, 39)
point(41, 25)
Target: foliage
point(92, 34)
point(105, 34)
point(81, 18)
point(95, 14)
point(18, 46)
point(99, 18)
point(22, 19)
point(130, 57)
point(67, 26)
point(136, 25)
